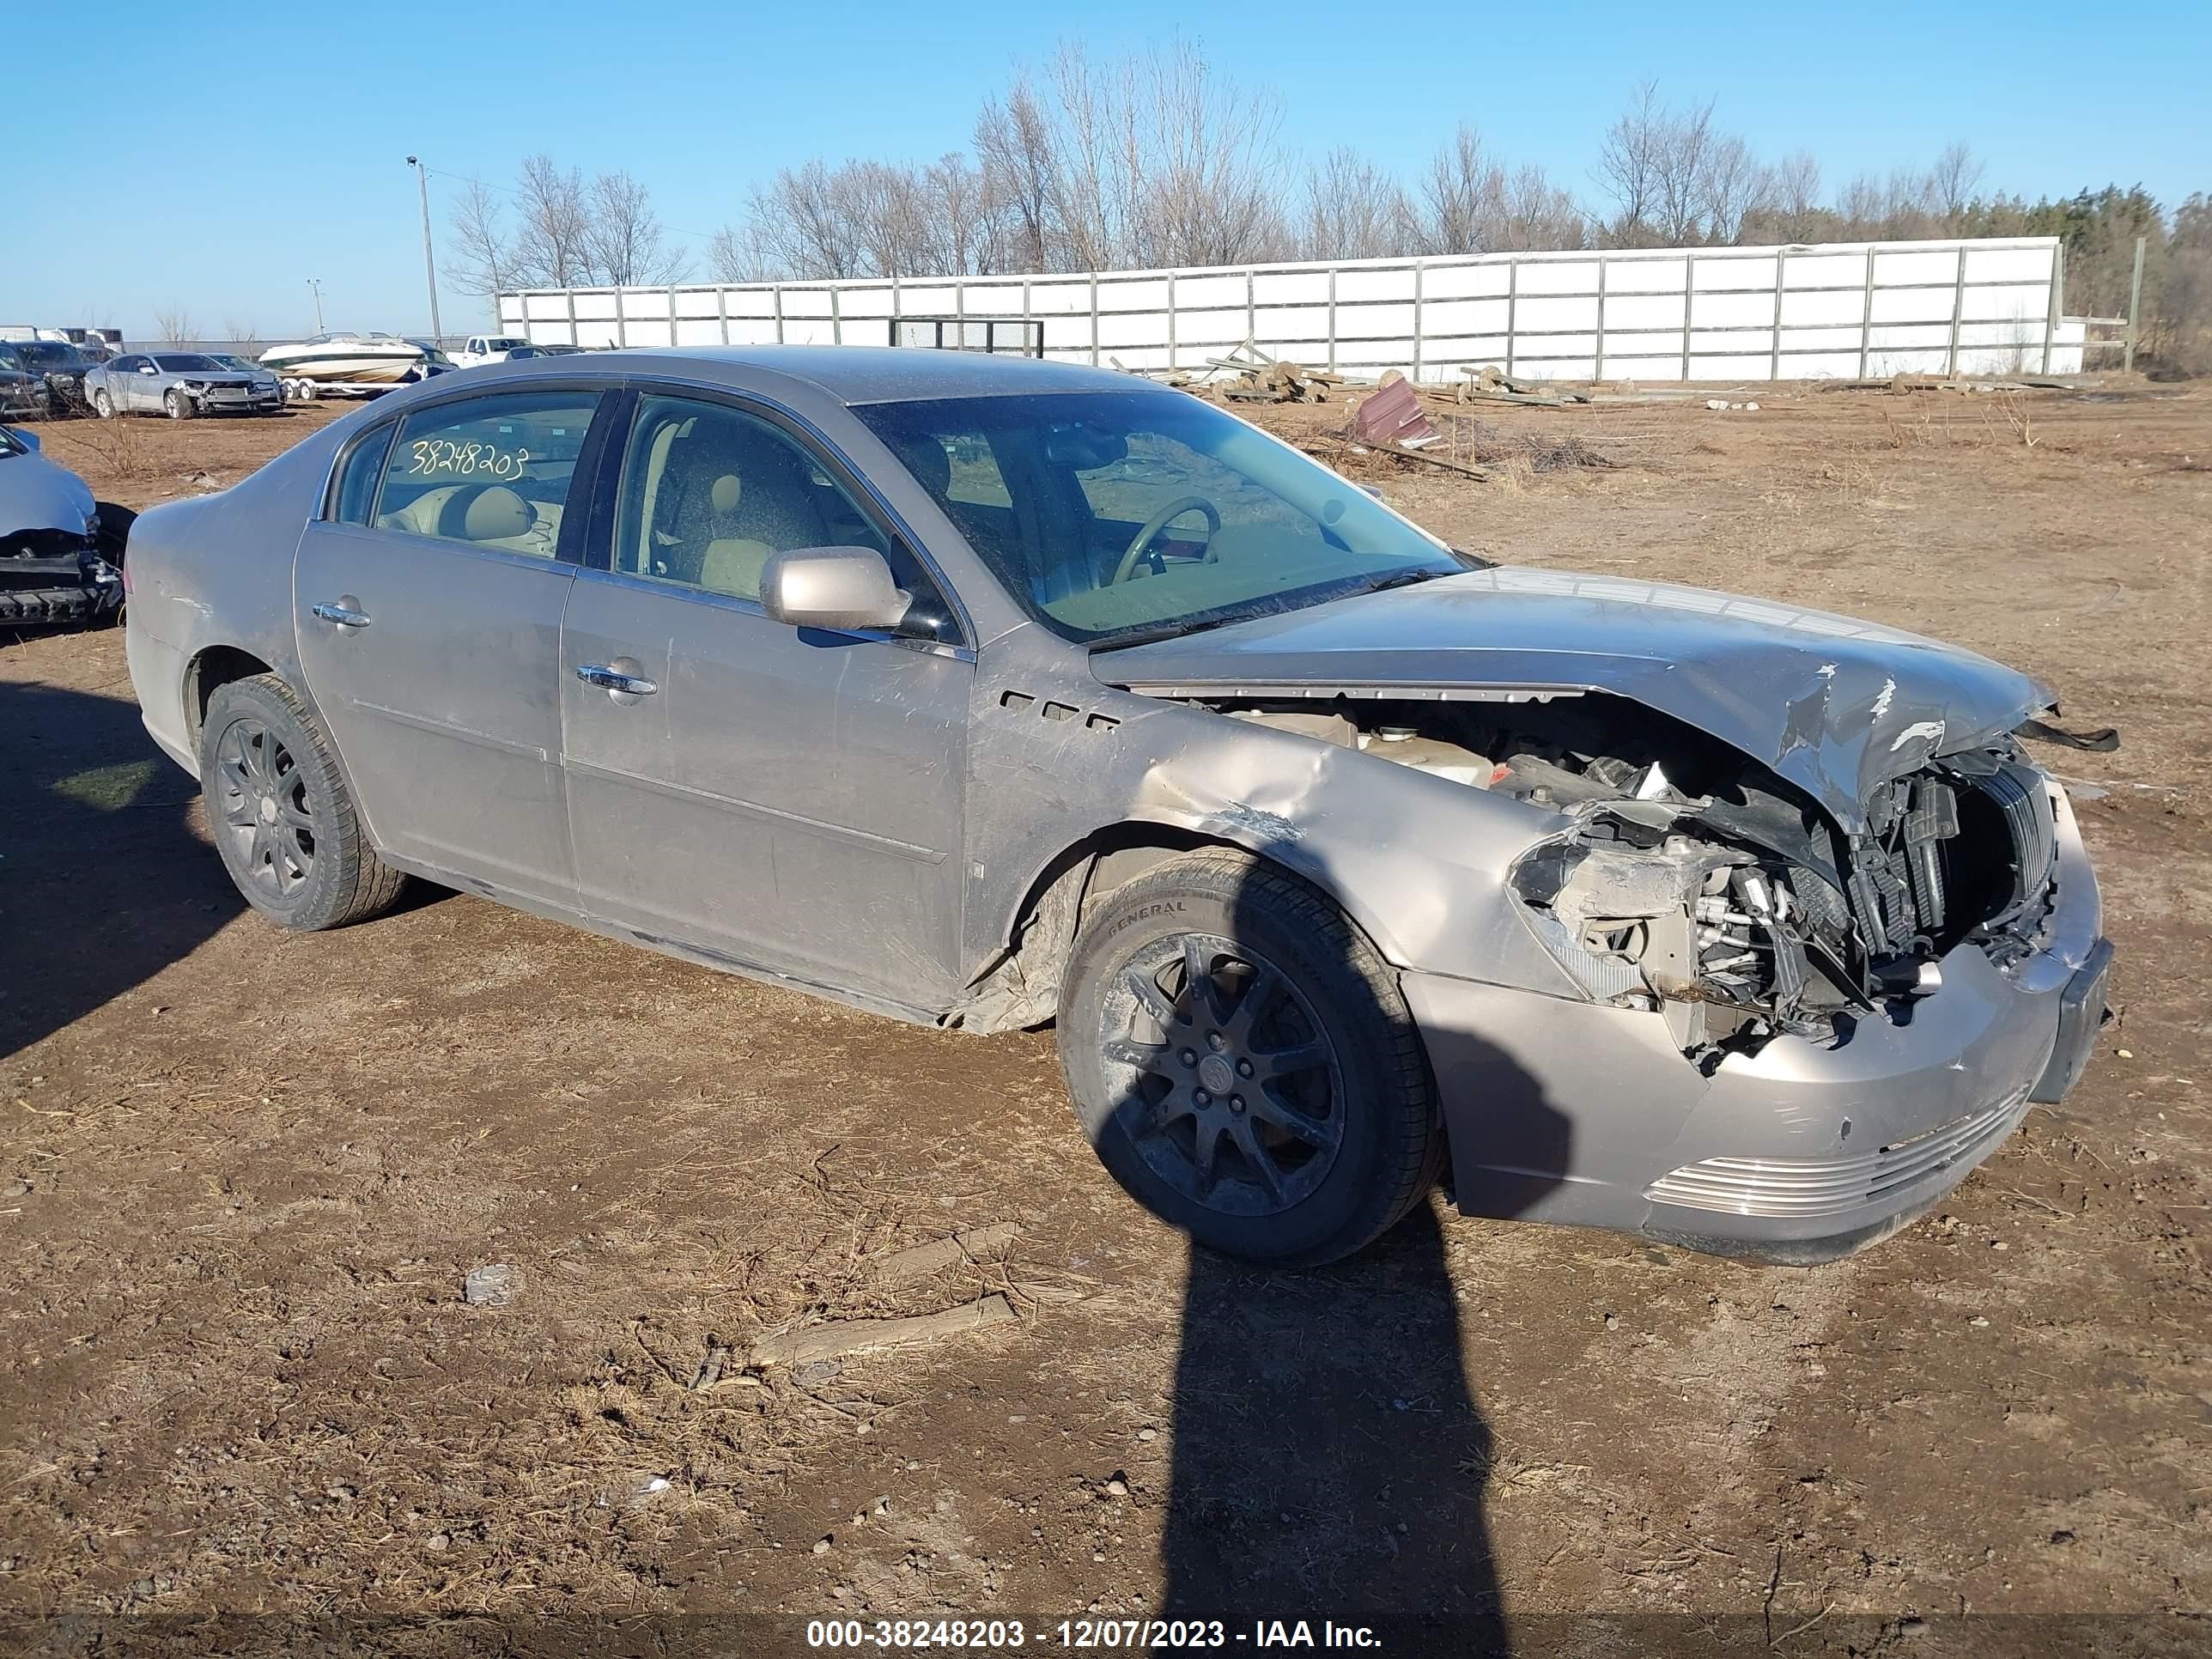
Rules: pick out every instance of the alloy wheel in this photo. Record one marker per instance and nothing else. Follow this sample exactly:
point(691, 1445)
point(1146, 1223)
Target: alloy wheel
point(262, 808)
point(1233, 1094)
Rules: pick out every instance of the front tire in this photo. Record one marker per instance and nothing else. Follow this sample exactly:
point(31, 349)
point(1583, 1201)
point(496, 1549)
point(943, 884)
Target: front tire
point(101, 407)
point(1243, 1064)
point(180, 407)
point(279, 813)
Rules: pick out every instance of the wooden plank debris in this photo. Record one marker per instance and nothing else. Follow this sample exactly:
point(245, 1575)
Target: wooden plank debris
point(923, 1260)
point(861, 1335)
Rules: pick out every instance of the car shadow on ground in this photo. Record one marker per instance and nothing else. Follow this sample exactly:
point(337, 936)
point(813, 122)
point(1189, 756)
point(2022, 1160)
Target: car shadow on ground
point(1330, 1454)
point(103, 882)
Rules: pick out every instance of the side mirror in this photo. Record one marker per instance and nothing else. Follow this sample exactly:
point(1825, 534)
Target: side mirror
point(148, 368)
point(846, 588)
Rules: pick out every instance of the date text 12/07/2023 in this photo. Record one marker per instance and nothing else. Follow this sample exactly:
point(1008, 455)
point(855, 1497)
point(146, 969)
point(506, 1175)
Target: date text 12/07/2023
point(1082, 1634)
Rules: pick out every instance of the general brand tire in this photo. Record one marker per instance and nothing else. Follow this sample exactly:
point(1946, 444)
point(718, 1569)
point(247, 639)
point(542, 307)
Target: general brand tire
point(101, 407)
point(280, 815)
point(1311, 1157)
point(180, 407)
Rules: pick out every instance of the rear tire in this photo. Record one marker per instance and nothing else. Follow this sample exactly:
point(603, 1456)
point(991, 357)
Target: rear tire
point(280, 814)
point(1288, 1117)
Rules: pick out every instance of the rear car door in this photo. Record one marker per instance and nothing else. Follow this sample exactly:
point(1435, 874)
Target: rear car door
point(428, 602)
point(788, 799)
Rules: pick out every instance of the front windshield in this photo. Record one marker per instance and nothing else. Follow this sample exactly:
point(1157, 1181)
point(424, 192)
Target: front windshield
point(1119, 514)
point(187, 362)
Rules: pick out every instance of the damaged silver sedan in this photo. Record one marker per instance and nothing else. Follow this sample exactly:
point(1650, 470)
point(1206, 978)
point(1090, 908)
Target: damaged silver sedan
point(993, 693)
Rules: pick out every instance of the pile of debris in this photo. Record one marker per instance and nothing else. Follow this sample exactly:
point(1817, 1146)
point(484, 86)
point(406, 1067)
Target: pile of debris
point(1260, 379)
point(1254, 377)
point(1490, 384)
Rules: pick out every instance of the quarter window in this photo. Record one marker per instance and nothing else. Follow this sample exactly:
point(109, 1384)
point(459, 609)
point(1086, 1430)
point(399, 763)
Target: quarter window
point(357, 483)
point(491, 471)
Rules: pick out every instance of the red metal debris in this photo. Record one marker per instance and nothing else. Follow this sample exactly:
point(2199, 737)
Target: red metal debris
point(1391, 414)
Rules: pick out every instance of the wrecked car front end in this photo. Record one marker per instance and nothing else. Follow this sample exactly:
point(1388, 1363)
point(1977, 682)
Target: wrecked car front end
point(1823, 932)
point(52, 565)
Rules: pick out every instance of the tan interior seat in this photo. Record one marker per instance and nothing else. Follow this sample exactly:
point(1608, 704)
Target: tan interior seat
point(731, 563)
point(487, 515)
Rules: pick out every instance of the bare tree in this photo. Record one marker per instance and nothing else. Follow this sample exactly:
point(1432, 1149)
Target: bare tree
point(1462, 196)
point(1354, 210)
point(1206, 161)
point(173, 326)
point(623, 236)
point(480, 256)
point(733, 256)
point(802, 226)
point(552, 246)
point(1791, 210)
point(1675, 179)
point(1952, 183)
point(238, 333)
point(1014, 152)
point(1629, 164)
point(1536, 215)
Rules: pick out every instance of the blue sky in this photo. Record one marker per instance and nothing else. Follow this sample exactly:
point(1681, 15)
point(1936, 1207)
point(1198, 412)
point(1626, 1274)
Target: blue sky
point(183, 157)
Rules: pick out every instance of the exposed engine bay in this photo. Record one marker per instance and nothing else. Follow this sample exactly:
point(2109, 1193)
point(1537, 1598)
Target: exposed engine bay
point(1697, 884)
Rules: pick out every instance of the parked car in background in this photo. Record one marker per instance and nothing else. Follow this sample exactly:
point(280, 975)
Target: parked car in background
point(987, 692)
point(180, 385)
point(62, 366)
point(489, 349)
point(52, 546)
point(23, 394)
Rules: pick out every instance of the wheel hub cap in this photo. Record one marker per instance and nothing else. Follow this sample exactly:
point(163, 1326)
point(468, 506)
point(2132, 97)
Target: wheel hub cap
point(1231, 1089)
point(260, 803)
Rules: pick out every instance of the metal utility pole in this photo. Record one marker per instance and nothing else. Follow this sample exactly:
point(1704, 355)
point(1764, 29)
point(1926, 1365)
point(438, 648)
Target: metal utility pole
point(429, 264)
point(316, 289)
point(2135, 308)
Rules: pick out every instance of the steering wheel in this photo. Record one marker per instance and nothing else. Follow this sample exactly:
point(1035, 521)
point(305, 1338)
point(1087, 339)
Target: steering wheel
point(1157, 522)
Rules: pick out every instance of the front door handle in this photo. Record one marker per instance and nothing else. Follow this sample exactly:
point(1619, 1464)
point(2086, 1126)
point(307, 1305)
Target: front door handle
point(613, 679)
point(342, 612)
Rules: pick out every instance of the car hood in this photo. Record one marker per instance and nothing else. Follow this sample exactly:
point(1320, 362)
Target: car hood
point(37, 495)
point(1832, 705)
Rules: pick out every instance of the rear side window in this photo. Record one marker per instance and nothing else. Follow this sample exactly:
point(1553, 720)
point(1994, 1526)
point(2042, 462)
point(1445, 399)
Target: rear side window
point(357, 483)
point(488, 471)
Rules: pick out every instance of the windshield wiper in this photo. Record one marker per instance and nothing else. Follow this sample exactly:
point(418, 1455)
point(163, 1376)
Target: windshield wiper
point(1395, 579)
point(1174, 630)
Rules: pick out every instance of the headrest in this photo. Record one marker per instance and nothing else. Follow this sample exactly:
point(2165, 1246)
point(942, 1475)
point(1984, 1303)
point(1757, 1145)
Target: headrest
point(496, 514)
point(725, 493)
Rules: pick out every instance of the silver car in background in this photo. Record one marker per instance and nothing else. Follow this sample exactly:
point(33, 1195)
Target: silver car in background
point(180, 385)
point(987, 693)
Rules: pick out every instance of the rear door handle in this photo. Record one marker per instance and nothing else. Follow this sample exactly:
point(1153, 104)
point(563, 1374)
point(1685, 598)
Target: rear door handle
point(343, 614)
point(613, 679)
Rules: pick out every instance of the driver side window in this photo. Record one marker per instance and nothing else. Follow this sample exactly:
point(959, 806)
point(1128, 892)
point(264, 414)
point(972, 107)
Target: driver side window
point(709, 493)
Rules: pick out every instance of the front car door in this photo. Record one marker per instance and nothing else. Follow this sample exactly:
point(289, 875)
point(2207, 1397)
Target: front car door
point(428, 603)
point(786, 800)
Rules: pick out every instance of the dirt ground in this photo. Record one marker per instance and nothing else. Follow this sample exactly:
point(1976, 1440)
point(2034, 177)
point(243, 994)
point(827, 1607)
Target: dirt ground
point(244, 1175)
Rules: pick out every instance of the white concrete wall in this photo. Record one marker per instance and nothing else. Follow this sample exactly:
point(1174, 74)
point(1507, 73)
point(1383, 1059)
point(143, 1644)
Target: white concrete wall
point(1853, 310)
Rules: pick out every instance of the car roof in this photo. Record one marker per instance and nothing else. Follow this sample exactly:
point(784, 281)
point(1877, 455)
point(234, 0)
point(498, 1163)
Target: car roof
point(875, 374)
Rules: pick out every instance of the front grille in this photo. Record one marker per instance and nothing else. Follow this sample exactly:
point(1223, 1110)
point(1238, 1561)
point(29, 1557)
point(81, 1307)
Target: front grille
point(1805, 1187)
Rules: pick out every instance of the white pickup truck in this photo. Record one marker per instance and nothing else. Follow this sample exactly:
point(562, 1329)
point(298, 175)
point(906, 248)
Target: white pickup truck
point(487, 349)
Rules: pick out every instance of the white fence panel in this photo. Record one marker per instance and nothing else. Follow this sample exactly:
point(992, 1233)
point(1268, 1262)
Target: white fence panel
point(1852, 310)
